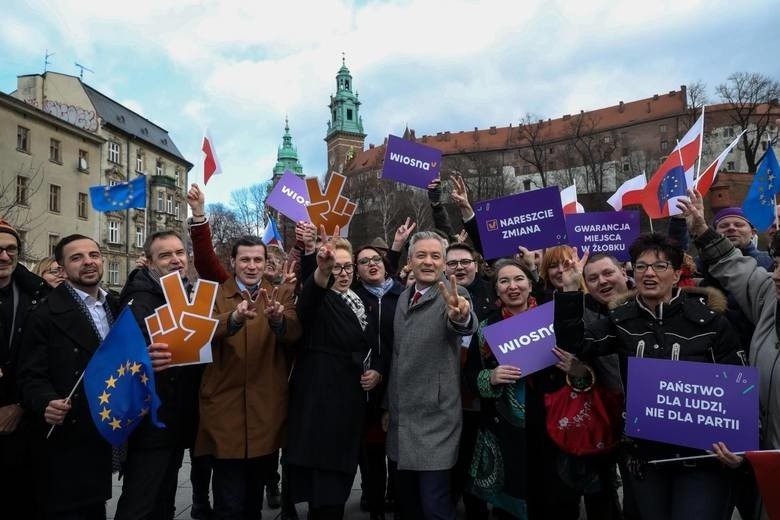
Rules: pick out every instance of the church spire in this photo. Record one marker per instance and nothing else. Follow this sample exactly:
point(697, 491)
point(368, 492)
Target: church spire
point(287, 156)
point(344, 106)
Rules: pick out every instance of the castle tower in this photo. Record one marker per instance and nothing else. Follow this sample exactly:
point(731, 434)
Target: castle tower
point(345, 134)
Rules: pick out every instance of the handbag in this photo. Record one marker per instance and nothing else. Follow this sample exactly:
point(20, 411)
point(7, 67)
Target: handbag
point(584, 421)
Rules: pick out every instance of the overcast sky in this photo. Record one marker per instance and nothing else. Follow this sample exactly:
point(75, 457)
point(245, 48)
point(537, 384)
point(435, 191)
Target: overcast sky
point(239, 67)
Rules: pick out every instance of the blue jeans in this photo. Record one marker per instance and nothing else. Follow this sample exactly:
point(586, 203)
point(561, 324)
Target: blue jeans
point(677, 492)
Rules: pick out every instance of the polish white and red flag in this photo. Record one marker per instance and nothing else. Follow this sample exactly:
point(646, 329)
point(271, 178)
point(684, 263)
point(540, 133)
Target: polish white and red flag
point(211, 164)
point(569, 200)
point(707, 178)
point(629, 193)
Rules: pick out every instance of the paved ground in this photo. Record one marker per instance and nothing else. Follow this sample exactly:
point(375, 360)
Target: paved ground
point(184, 500)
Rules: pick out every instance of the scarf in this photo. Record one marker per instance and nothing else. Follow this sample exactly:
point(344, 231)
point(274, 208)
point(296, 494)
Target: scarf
point(354, 302)
point(381, 289)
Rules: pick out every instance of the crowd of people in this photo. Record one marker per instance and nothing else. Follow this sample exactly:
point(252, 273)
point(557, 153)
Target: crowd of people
point(337, 357)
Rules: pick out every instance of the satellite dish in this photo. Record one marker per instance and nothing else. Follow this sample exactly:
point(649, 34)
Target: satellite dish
point(82, 163)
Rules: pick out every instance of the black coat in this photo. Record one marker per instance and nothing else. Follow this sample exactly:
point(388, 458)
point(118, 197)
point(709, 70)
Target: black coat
point(327, 405)
point(176, 387)
point(74, 465)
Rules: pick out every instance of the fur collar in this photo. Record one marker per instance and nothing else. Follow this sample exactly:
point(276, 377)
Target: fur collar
point(713, 298)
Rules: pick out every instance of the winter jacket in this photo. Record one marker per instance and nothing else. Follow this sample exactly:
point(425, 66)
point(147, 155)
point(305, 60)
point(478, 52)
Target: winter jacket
point(756, 293)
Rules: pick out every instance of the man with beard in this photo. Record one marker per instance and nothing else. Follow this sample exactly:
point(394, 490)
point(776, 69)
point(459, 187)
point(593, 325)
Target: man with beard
point(20, 290)
point(154, 455)
point(73, 464)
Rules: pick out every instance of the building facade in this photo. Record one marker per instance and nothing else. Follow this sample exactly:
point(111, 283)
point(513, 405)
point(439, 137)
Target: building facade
point(46, 168)
point(131, 145)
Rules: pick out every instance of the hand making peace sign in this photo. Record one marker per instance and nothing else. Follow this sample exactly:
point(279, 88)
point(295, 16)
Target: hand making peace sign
point(273, 310)
point(458, 307)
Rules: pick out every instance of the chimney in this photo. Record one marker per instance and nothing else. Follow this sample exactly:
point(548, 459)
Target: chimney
point(492, 130)
point(370, 146)
point(621, 108)
point(566, 117)
point(655, 97)
point(447, 136)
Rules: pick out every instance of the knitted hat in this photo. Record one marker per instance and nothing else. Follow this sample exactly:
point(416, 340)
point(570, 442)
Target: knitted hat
point(379, 243)
point(5, 227)
point(729, 212)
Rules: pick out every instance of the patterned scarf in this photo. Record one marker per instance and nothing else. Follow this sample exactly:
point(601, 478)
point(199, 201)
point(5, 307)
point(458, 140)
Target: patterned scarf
point(381, 289)
point(354, 302)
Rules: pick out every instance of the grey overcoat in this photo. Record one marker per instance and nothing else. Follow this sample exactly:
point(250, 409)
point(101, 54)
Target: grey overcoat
point(424, 390)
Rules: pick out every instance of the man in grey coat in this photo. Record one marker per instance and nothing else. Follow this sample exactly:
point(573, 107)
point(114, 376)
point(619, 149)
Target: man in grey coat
point(424, 387)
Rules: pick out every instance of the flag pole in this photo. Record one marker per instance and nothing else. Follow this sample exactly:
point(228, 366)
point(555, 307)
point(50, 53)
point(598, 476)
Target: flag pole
point(67, 399)
point(649, 218)
point(701, 145)
point(699, 457)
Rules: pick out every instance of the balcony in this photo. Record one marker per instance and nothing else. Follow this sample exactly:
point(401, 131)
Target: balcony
point(163, 181)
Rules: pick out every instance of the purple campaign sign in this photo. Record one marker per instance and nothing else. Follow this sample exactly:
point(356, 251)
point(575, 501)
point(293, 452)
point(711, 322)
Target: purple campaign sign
point(524, 340)
point(692, 404)
point(411, 163)
point(290, 197)
point(533, 219)
point(609, 232)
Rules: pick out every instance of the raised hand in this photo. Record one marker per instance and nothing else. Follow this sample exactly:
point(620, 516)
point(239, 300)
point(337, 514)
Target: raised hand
point(693, 211)
point(272, 309)
point(569, 363)
point(461, 197)
point(402, 234)
point(196, 199)
point(526, 257)
point(246, 309)
point(458, 307)
point(306, 232)
point(288, 272)
point(434, 192)
point(463, 235)
point(572, 270)
point(325, 257)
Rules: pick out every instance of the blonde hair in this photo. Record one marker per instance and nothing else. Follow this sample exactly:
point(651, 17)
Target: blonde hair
point(342, 243)
point(43, 265)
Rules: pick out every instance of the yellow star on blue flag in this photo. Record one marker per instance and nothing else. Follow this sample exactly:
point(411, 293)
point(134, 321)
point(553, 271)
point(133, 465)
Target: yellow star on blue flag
point(759, 204)
point(119, 398)
point(119, 196)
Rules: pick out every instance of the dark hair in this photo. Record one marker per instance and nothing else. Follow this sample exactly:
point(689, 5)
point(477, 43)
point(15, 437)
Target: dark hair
point(601, 256)
point(67, 240)
point(505, 262)
point(463, 247)
point(248, 241)
point(774, 246)
point(660, 245)
point(159, 235)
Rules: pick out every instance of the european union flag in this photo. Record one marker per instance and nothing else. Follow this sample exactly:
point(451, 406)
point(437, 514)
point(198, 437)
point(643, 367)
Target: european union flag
point(119, 196)
point(119, 383)
point(759, 204)
point(672, 185)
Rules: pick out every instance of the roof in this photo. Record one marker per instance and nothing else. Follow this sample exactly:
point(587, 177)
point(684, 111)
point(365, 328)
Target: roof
point(20, 105)
point(124, 119)
point(603, 120)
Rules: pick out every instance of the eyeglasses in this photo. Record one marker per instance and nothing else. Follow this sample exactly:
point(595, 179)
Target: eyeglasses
point(463, 262)
point(658, 267)
point(54, 270)
point(346, 268)
point(11, 250)
point(376, 260)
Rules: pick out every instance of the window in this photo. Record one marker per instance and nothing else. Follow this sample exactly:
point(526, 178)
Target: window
point(176, 210)
point(160, 201)
point(139, 162)
point(730, 166)
point(54, 151)
point(53, 240)
point(159, 167)
point(661, 129)
point(349, 114)
point(764, 145)
point(113, 231)
point(82, 205)
point(83, 160)
point(177, 176)
point(22, 190)
point(169, 204)
point(113, 182)
point(551, 150)
point(527, 185)
point(607, 138)
point(113, 273)
point(23, 139)
point(139, 236)
point(114, 151)
point(626, 167)
point(526, 169)
point(551, 165)
point(664, 146)
point(54, 198)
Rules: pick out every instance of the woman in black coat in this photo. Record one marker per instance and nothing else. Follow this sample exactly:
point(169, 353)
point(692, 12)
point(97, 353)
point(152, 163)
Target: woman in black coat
point(329, 386)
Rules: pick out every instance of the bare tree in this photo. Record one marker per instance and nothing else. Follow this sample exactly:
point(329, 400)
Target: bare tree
point(751, 96)
point(488, 175)
point(16, 192)
point(594, 150)
point(696, 99)
point(535, 133)
point(249, 206)
point(225, 228)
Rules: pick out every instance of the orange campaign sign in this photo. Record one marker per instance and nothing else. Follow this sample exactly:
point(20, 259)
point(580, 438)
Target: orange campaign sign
point(185, 325)
point(329, 208)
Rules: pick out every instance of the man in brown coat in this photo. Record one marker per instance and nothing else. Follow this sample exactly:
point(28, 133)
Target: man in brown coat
point(243, 396)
